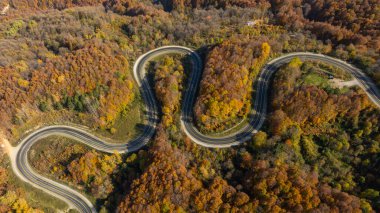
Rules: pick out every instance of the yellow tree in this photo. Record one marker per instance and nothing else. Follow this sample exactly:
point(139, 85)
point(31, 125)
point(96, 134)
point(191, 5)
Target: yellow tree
point(265, 50)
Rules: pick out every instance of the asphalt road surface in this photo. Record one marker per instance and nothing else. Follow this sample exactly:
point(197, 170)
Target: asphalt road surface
point(19, 155)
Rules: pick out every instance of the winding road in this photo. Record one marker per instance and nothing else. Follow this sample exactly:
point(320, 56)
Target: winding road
point(19, 154)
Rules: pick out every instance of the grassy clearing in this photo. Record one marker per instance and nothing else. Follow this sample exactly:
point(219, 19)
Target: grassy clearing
point(128, 125)
point(326, 69)
point(317, 74)
point(41, 119)
point(315, 80)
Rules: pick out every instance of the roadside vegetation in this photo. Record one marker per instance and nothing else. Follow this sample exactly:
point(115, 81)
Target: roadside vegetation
point(318, 150)
point(17, 196)
point(225, 94)
point(84, 71)
point(288, 166)
point(67, 161)
point(333, 131)
point(168, 79)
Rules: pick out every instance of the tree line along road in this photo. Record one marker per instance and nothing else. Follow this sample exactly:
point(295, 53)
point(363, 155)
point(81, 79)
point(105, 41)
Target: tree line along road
point(19, 154)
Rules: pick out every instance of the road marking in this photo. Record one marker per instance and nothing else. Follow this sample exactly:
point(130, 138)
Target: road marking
point(19, 157)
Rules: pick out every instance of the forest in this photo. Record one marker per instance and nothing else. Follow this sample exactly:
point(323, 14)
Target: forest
point(319, 147)
point(339, 23)
point(334, 131)
point(226, 86)
point(168, 80)
point(79, 70)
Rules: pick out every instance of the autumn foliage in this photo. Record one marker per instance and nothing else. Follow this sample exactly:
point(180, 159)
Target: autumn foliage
point(289, 188)
point(317, 152)
point(168, 78)
point(346, 22)
point(170, 183)
point(328, 128)
point(339, 21)
point(94, 171)
point(183, 4)
point(92, 79)
point(133, 8)
point(12, 199)
point(309, 105)
point(225, 90)
point(56, 4)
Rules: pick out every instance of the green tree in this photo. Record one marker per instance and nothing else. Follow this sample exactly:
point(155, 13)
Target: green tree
point(259, 140)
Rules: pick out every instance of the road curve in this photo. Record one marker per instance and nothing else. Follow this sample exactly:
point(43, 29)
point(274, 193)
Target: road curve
point(19, 155)
point(257, 115)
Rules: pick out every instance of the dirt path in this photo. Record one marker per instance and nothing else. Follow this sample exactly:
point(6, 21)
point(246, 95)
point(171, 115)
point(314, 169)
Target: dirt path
point(339, 83)
point(5, 145)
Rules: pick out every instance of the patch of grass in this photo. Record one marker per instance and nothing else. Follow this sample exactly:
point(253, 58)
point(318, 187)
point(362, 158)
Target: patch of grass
point(317, 74)
point(315, 79)
point(344, 90)
point(128, 125)
point(324, 69)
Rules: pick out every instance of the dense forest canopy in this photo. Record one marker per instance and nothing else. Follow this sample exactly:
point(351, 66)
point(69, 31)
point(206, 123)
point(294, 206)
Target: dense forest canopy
point(226, 86)
point(352, 20)
point(319, 147)
point(333, 130)
point(348, 21)
point(43, 4)
point(350, 26)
